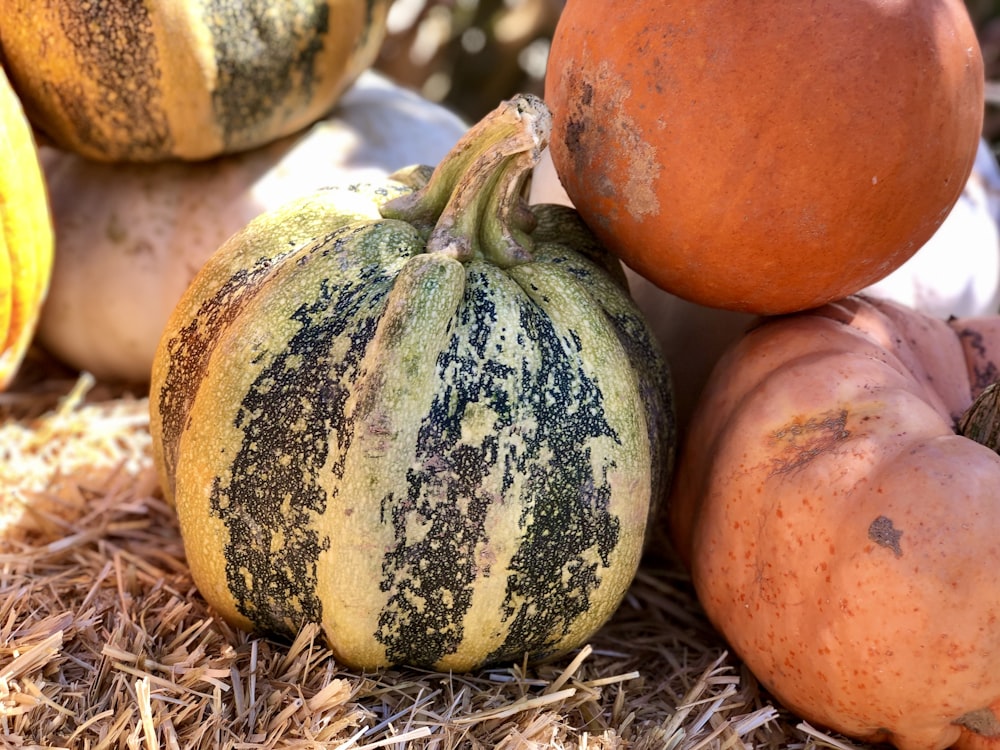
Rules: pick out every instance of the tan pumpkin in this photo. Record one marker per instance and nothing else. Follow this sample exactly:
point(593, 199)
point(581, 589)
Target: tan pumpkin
point(26, 243)
point(841, 534)
point(132, 236)
point(146, 81)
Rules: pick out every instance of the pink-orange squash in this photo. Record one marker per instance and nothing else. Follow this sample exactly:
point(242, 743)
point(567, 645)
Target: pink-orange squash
point(841, 525)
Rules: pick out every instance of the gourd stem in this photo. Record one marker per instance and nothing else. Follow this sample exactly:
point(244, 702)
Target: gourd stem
point(981, 421)
point(473, 204)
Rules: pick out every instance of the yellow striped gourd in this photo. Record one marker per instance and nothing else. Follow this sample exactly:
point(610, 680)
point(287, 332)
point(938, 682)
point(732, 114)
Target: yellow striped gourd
point(187, 79)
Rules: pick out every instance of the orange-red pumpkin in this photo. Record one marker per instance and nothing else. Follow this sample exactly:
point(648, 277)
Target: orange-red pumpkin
point(841, 534)
point(767, 156)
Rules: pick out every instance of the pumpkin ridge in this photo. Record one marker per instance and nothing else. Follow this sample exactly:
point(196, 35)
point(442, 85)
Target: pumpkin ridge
point(277, 479)
point(126, 75)
point(591, 268)
point(250, 83)
point(192, 346)
point(571, 530)
point(429, 578)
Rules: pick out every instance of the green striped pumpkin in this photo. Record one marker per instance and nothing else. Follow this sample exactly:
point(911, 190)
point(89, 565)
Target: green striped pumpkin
point(189, 79)
point(418, 414)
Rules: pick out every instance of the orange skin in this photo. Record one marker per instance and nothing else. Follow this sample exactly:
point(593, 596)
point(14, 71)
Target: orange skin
point(840, 535)
point(764, 157)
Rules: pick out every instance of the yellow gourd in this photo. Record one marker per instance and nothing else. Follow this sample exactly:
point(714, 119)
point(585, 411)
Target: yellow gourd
point(26, 239)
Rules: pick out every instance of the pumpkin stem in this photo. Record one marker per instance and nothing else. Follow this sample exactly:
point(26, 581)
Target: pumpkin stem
point(981, 421)
point(473, 204)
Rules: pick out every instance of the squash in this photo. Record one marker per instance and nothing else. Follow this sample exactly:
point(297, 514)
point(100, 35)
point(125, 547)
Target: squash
point(764, 157)
point(418, 413)
point(841, 529)
point(124, 81)
point(26, 242)
point(132, 236)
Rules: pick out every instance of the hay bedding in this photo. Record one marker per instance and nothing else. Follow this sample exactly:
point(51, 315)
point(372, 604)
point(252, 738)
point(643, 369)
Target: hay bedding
point(105, 642)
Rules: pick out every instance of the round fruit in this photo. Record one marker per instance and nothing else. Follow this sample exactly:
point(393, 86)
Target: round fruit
point(420, 414)
point(767, 156)
point(836, 502)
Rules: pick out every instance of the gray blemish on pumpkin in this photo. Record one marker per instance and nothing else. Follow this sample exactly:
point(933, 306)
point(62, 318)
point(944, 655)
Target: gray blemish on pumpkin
point(883, 533)
point(544, 414)
point(799, 442)
point(983, 722)
point(274, 490)
point(115, 49)
point(589, 133)
point(263, 60)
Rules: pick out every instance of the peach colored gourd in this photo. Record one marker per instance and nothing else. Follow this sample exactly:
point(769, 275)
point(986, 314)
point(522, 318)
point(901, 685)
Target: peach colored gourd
point(841, 535)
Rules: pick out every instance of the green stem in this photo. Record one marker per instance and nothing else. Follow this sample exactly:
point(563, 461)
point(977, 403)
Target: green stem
point(473, 204)
point(981, 421)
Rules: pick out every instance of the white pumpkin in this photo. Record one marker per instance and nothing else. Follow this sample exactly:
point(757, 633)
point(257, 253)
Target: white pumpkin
point(957, 272)
point(130, 237)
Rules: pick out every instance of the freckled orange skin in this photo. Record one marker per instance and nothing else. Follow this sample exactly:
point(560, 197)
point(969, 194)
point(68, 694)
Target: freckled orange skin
point(841, 536)
point(764, 156)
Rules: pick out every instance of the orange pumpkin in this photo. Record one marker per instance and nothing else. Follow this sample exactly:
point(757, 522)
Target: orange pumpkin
point(26, 234)
point(840, 534)
point(768, 156)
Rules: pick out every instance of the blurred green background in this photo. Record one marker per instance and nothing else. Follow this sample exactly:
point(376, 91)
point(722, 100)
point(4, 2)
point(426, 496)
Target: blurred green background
point(471, 54)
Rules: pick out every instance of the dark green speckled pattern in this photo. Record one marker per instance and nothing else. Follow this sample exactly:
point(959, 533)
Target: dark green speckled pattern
point(446, 464)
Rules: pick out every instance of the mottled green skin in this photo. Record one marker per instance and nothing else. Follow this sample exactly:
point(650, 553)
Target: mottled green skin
point(416, 429)
point(227, 281)
point(252, 79)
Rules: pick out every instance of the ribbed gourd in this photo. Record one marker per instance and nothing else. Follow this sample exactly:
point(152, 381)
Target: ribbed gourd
point(187, 79)
point(418, 413)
